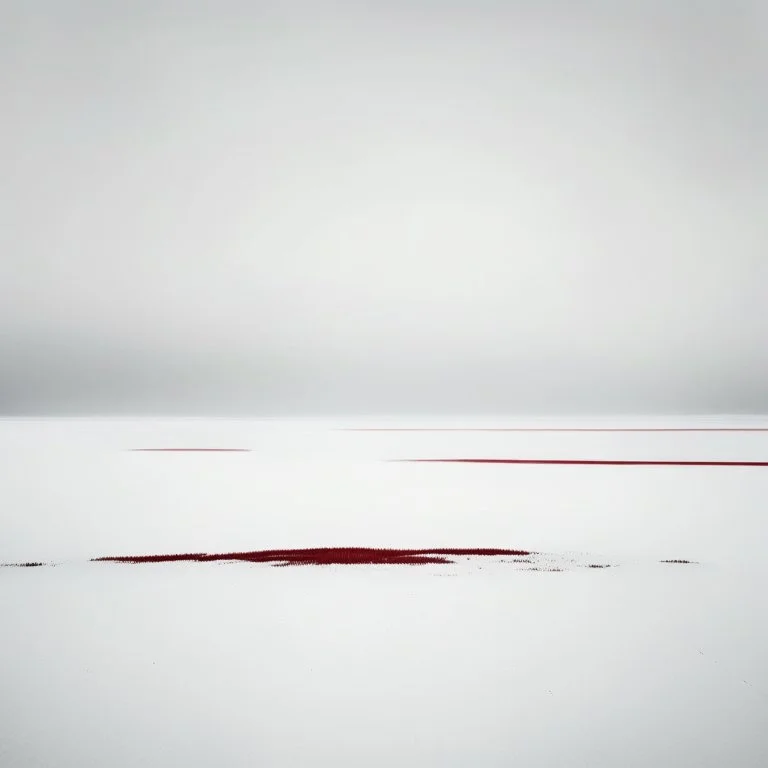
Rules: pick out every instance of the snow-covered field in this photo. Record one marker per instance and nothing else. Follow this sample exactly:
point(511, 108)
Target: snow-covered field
point(466, 664)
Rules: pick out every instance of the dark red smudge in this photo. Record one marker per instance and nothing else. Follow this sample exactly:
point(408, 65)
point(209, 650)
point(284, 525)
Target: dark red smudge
point(326, 556)
point(191, 450)
point(593, 462)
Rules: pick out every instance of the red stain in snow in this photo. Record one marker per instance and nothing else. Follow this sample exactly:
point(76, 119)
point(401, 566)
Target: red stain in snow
point(326, 556)
point(594, 462)
point(532, 561)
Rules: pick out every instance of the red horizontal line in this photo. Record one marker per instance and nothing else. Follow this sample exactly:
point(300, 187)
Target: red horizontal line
point(556, 429)
point(606, 462)
point(192, 450)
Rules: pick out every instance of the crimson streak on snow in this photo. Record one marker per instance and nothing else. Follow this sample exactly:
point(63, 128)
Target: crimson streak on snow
point(190, 450)
point(555, 429)
point(596, 462)
point(327, 556)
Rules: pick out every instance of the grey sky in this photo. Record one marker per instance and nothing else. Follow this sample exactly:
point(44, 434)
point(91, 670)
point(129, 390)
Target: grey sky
point(245, 207)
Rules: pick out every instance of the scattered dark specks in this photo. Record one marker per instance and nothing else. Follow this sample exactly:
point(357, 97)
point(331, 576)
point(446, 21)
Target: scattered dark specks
point(21, 565)
point(598, 565)
point(680, 562)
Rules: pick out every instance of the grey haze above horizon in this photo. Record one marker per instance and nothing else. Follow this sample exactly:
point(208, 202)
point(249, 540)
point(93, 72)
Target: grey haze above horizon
point(324, 207)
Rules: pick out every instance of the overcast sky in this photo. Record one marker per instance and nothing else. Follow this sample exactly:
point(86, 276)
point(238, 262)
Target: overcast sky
point(295, 207)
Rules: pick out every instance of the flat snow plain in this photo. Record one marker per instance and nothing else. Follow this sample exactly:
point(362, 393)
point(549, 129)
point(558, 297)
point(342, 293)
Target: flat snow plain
point(472, 663)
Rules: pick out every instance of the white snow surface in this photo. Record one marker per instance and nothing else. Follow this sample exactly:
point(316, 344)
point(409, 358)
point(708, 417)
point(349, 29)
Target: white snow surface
point(475, 663)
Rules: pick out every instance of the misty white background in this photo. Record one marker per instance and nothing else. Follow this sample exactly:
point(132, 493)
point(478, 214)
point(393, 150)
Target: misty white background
point(339, 208)
point(642, 664)
point(352, 207)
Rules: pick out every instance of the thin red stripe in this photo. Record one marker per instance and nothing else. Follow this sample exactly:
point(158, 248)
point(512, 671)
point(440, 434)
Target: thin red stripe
point(606, 462)
point(192, 450)
point(556, 429)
